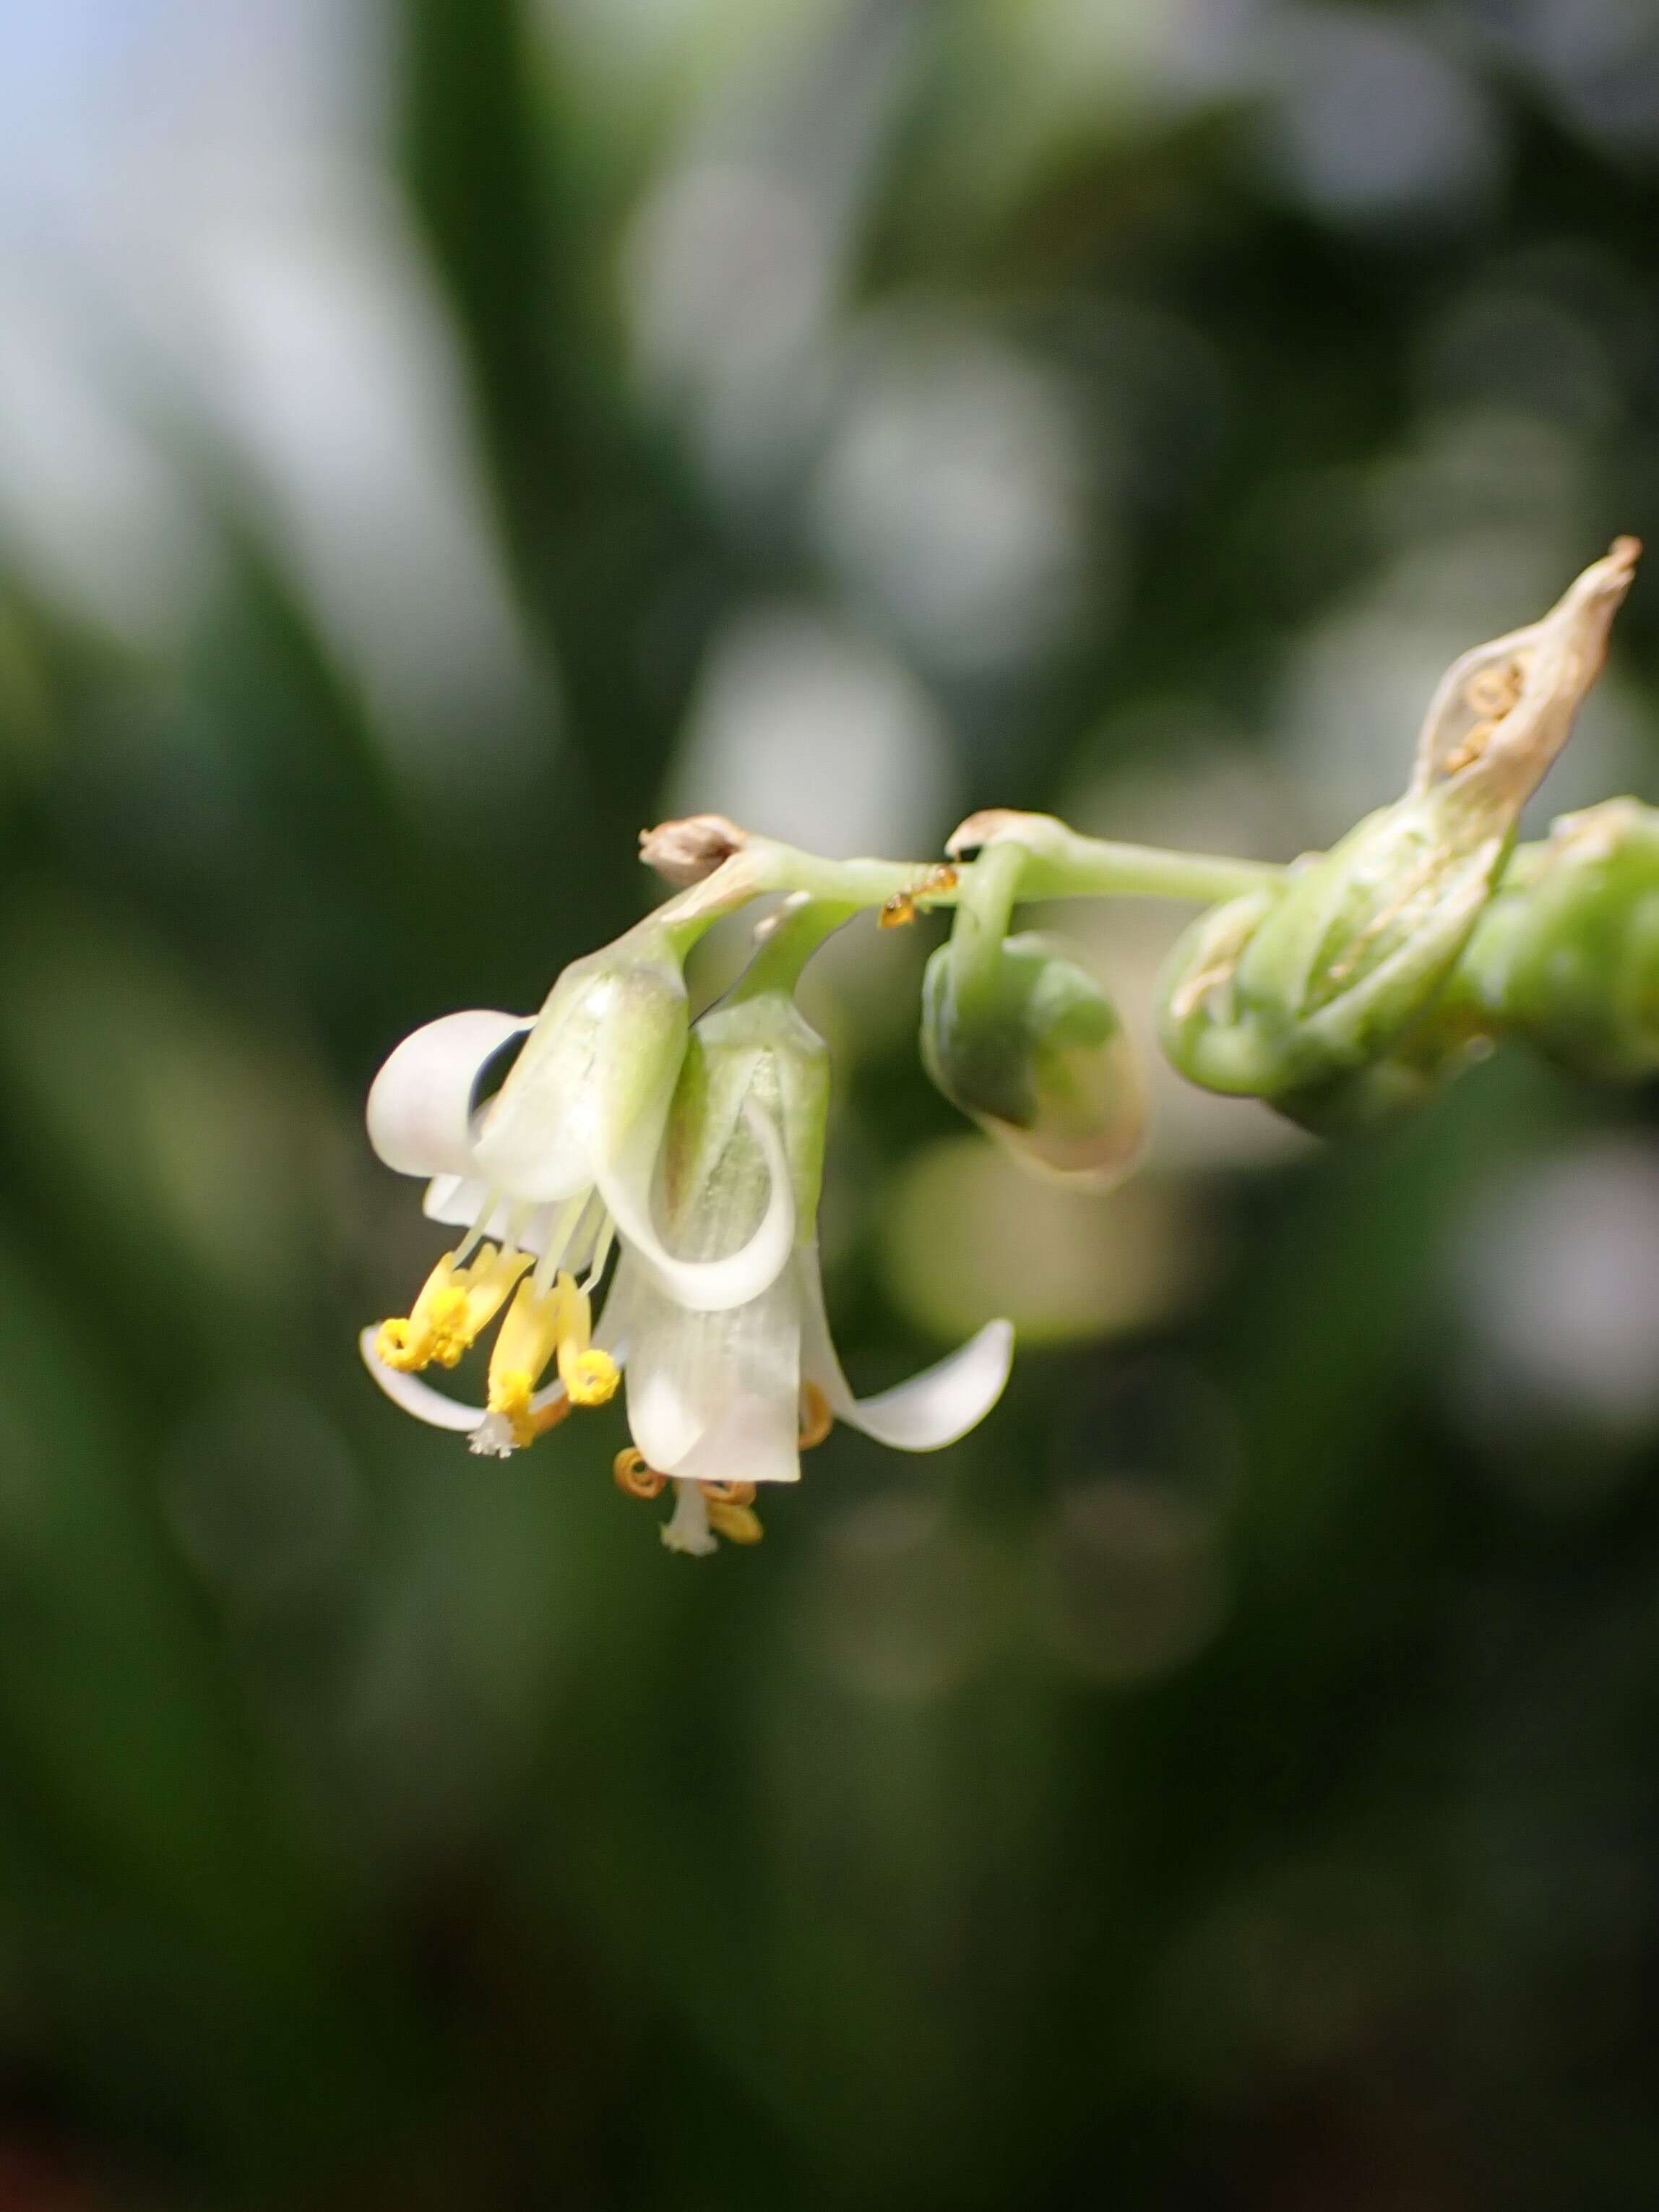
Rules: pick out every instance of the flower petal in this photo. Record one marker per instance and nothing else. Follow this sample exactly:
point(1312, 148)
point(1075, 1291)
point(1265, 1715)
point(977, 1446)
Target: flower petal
point(931, 1409)
point(713, 1396)
point(418, 1397)
point(419, 1105)
point(711, 1286)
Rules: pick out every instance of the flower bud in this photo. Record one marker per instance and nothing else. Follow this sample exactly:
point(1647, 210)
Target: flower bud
point(1566, 958)
point(1035, 1053)
point(1290, 991)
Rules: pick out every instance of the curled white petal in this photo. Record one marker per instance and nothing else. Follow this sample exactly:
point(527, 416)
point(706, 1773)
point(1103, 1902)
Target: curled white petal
point(713, 1285)
point(420, 1104)
point(416, 1396)
point(930, 1411)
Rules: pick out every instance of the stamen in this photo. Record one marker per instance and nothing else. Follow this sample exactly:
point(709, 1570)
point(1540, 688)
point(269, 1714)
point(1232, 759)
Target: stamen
point(603, 1243)
point(634, 1477)
point(539, 1326)
point(816, 1419)
point(454, 1303)
point(590, 1376)
point(564, 1228)
point(485, 1213)
point(728, 1493)
point(738, 1524)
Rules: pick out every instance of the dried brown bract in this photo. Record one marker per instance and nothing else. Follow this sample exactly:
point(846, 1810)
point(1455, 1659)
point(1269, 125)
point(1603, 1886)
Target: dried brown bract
point(684, 852)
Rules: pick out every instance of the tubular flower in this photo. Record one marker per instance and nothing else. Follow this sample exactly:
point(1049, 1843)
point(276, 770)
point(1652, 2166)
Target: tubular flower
point(544, 1175)
point(721, 1401)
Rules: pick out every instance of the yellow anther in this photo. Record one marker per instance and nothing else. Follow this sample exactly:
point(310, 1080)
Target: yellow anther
point(524, 1343)
point(541, 1326)
point(635, 1477)
point(590, 1376)
point(816, 1419)
point(738, 1524)
point(454, 1304)
point(728, 1493)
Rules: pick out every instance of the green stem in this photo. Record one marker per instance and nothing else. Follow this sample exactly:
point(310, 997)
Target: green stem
point(793, 938)
point(985, 901)
point(1055, 863)
point(1061, 864)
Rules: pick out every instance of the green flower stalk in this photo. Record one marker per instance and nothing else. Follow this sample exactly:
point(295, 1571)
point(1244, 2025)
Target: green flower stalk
point(1025, 1042)
point(1311, 994)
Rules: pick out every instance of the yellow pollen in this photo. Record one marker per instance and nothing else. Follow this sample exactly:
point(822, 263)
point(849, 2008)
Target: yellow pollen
point(510, 1390)
point(453, 1305)
point(591, 1377)
point(816, 1419)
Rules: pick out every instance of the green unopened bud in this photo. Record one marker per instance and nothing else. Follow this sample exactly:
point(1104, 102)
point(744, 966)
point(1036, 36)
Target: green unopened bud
point(1291, 992)
point(1566, 958)
point(1037, 1055)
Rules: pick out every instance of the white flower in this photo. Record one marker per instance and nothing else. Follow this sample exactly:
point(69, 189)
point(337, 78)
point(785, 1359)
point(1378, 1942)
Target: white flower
point(730, 1368)
point(720, 1403)
point(542, 1176)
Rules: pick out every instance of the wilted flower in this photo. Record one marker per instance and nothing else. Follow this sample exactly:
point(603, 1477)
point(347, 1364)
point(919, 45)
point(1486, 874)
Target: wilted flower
point(1294, 993)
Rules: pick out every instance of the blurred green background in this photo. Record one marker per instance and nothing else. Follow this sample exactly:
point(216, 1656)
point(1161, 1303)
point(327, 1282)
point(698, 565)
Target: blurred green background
point(437, 438)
